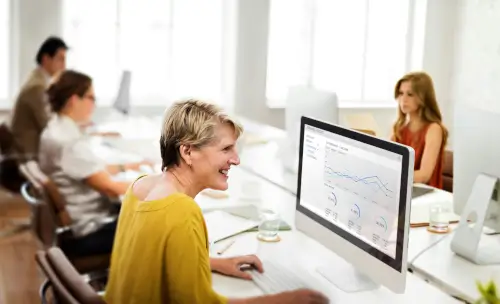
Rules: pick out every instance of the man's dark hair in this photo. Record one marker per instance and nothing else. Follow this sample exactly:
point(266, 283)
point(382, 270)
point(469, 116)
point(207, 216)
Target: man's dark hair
point(50, 47)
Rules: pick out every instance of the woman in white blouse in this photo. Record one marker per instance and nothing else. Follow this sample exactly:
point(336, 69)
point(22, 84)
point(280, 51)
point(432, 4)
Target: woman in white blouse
point(83, 178)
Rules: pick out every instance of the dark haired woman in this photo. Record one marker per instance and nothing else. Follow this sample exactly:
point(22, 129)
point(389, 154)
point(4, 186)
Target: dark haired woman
point(83, 179)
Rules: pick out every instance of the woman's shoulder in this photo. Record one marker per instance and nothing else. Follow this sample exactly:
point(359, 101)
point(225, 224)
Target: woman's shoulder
point(434, 128)
point(149, 191)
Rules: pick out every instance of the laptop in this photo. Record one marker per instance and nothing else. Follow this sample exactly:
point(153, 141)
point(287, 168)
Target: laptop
point(419, 191)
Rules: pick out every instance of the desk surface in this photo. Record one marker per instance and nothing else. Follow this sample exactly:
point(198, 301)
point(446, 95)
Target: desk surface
point(308, 254)
point(307, 251)
point(276, 187)
point(453, 273)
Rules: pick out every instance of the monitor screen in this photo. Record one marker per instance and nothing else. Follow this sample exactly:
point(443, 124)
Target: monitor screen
point(353, 185)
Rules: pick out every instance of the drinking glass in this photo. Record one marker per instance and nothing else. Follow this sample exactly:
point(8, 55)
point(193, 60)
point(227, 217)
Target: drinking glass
point(269, 225)
point(439, 217)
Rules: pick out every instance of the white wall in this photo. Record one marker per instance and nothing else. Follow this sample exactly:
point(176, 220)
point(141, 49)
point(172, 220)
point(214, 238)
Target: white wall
point(476, 80)
point(439, 52)
point(434, 56)
point(33, 21)
point(36, 19)
point(476, 65)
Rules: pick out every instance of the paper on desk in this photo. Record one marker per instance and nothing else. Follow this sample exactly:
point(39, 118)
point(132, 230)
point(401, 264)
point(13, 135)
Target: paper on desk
point(364, 121)
point(217, 194)
point(221, 225)
point(254, 139)
point(419, 216)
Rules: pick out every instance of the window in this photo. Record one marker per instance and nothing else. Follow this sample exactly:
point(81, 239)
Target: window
point(90, 31)
point(172, 47)
point(357, 49)
point(4, 49)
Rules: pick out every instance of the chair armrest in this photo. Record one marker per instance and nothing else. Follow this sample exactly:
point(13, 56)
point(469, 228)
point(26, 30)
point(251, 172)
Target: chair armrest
point(107, 219)
point(67, 231)
point(62, 230)
point(43, 291)
point(114, 199)
point(27, 196)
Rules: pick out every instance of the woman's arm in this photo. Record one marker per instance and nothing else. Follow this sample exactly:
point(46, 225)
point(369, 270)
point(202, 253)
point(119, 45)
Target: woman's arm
point(102, 182)
point(189, 276)
point(105, 134)
point(115, 169)
point(79, 162)
point(433, 142)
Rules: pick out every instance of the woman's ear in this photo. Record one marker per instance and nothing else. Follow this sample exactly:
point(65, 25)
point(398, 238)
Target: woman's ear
point(70, 104)
point(185, 152)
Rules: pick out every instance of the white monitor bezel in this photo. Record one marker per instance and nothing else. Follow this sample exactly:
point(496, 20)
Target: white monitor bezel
point(380, 267)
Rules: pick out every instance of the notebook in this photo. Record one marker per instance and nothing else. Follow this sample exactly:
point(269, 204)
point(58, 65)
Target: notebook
point(222, 225)
point(251, 212)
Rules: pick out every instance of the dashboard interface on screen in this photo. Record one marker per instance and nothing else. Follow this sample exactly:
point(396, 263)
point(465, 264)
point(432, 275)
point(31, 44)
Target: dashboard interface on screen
point(353, 185)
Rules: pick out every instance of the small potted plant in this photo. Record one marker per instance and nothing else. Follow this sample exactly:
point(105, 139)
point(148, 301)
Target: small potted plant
point(488, 293)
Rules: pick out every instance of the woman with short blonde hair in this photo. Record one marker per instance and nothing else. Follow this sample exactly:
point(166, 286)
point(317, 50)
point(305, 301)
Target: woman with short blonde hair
point(161, 252)
point(419, 125)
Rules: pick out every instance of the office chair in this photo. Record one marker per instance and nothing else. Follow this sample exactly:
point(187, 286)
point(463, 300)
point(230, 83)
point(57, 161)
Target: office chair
point(62, 232)
point(67, 284)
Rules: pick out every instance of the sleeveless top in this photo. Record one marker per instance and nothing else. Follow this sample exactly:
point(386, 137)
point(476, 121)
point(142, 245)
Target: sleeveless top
point(416, 140)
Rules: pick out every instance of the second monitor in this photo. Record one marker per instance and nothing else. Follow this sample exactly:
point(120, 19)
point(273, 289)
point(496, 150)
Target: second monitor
point(310, 102)
point(353, 196)
point(476, 183)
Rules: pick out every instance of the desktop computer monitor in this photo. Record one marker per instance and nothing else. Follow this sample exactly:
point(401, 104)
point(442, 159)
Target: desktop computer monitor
point(310, 102)
point(476, 170)
point(475, 152)
point(122, 101)
point(353, 196)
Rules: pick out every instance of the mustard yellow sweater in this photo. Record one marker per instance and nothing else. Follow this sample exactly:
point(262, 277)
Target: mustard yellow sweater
point(160, 254)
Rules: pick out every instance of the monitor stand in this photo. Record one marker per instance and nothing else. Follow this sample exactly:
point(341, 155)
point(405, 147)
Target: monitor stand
point(466, 240)
point(346, 277)
point(292, 166)
point(291, 160)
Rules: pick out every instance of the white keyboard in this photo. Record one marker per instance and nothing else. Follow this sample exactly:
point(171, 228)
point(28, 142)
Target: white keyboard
point(277, 278)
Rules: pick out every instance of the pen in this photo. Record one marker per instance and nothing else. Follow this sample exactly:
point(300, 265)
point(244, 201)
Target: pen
point(219, 252)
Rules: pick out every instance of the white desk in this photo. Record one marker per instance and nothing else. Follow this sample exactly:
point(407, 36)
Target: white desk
point(262, 161)
point(141, 135)
point(132, 127)
point(280, 193)
point(144, 127)
point(307, 251)
point(309, 254)
point(269, 166)
point(452, 273)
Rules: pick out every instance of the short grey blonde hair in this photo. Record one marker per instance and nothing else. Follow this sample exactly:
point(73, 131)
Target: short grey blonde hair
point(190, 122)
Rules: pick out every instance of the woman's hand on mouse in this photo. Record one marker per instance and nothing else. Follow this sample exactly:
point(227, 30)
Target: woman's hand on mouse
point(232, 266)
